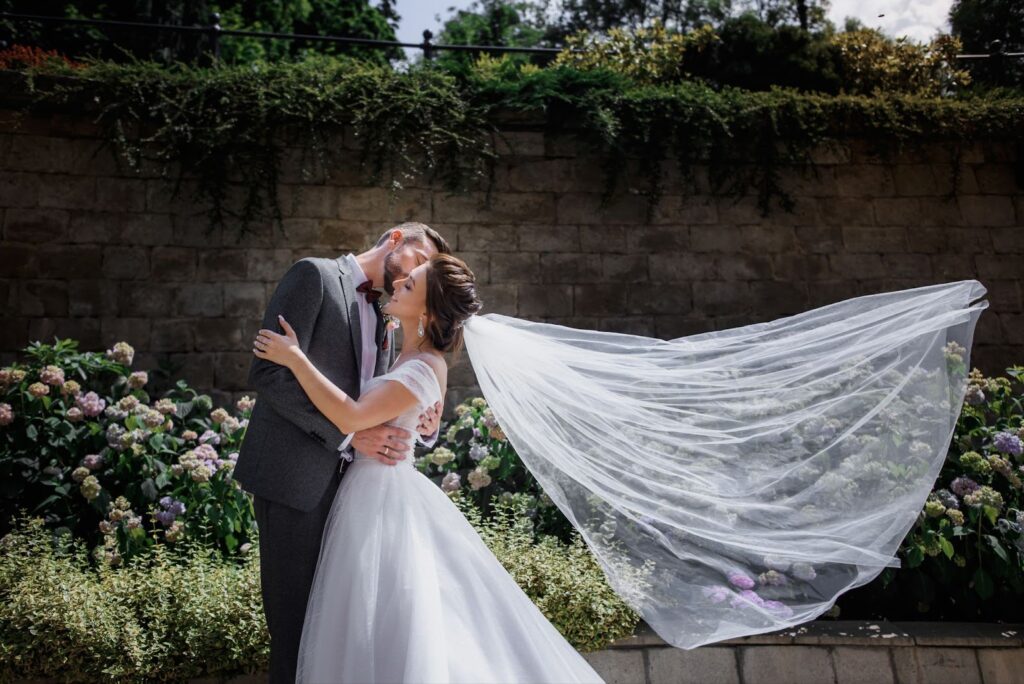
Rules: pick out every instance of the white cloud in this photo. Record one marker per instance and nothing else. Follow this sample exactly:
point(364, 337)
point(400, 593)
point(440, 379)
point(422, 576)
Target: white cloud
point(917, 19)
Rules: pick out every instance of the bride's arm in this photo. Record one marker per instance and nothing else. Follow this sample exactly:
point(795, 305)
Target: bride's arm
point(350, 415)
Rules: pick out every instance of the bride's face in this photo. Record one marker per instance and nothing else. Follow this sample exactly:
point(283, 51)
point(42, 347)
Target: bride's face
point(409, 300)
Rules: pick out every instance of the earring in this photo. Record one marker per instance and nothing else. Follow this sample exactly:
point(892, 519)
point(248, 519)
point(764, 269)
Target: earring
point(419, 328)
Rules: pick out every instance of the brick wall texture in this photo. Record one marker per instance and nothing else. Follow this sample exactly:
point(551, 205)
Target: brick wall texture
point(95, 251)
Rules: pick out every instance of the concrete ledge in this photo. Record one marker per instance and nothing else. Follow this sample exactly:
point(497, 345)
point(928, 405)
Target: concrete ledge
point(827, 652)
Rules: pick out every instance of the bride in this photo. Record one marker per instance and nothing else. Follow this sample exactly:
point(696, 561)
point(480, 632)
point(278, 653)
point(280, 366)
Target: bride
point(729, 483)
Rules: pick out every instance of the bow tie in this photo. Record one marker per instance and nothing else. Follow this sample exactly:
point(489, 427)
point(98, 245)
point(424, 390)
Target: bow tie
point(367, 289)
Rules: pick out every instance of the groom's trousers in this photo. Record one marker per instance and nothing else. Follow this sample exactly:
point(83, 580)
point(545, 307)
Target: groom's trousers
point(289, 549)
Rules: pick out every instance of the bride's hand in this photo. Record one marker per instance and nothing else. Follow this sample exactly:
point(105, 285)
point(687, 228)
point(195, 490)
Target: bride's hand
point(280, 349)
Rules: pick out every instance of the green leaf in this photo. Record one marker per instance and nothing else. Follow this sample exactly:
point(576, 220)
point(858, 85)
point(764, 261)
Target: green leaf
point(946, 546)
point(915, 556)
point(997, 548)
point(983, 583)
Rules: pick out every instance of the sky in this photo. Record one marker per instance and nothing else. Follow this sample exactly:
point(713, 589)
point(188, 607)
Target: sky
point(918, 19)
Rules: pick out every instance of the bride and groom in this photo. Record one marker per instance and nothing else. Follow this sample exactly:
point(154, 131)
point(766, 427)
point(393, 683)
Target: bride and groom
point(729, 483)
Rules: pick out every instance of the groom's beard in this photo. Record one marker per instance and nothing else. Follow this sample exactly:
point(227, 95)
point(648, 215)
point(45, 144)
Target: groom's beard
point(392, 271)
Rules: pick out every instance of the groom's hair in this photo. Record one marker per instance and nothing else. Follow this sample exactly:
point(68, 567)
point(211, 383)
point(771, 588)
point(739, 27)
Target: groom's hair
point(418, 232)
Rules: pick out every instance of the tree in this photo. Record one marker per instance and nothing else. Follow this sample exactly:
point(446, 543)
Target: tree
point(494, 22)
point(354, 18)
point(978, 23)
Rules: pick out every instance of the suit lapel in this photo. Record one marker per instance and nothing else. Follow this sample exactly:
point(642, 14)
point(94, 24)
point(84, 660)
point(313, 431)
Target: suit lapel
point(348, 289)
point(379, 334)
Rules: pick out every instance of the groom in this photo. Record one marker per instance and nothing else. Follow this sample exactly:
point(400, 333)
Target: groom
point(292, 458)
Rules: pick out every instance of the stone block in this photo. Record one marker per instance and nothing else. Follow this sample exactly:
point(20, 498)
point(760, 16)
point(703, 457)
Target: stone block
point(173, 263)
point(598, 300)
point(939, 665)
point(219, 334)
point(35, 225)
point(580, 208)
point(915, 180)
point(13, 332)
point(624, 666)
point(199, 299)
point(716, 239)
point(987, 210)
point(997, 266)
point(231, 370)
point(488, 238)
point(624, 268)
point(657, 239)
point(126, 263)
point(173, 334)
point(857, 266)
point(874, 239)
point(540, 238)
point(1008, 240)
point(773, 298)
point(145, 299)
point(68, 192)
point(1002, 665)
point(865, 180)
point(501, 299)
point(268, 264)
point(768, 238)
point(719, 298)
point(515, 267)
point(897, 211)
point(19, 189)
point(222, 265)
point(121, 194)
point(674, 267)
point(688, 210)
point(742, 266)
point(656, 298)
point(846, 211)
point(863, 665)
point(997, 179)
point(348, 236)
point(800, 266)
point(704, 665)
point(602, 238)
point(134, 331)
point(85, 330)
point(545, 300)
point(819, 239)
point(504, 207)
point(570, 268)
point(791, 665)
point(72, 261)
point(42, 298)
point(519, 143)
point(628, 325)
point(907, 265)
point(245, 299)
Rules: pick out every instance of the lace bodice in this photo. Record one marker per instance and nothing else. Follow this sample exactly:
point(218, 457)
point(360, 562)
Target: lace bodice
point(417, 375)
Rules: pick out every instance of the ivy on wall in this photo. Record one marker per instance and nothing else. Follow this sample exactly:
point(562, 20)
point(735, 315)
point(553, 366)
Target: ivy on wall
point(230, 125)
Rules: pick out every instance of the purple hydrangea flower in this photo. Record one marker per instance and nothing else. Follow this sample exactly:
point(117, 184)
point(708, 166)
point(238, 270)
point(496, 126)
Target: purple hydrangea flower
point(209, 436)
point(90, 403)
point(716, 593)
point(962, 486)
point(779, 608)
point(1008, 443)
point(740, 580)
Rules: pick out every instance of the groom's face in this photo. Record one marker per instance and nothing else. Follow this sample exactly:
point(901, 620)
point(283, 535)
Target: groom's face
point(400, 261)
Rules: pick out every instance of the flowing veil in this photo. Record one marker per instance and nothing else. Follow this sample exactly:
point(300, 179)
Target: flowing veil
point(736, 482)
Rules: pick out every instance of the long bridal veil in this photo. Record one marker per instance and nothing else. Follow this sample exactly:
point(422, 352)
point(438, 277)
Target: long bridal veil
point(738, 481)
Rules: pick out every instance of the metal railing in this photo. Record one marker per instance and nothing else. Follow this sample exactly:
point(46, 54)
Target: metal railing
point(214, 32)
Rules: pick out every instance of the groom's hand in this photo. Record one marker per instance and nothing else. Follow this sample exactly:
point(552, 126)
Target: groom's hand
point(430, 420)
point(386, 443)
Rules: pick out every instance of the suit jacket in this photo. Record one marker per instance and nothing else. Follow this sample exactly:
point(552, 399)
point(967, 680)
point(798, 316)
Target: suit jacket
point(290, 451)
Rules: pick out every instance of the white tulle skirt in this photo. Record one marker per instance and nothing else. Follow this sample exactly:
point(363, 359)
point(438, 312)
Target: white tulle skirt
point(406, 591)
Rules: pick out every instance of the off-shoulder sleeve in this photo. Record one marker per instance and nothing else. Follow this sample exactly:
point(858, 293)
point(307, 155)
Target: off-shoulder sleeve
point(419, 377)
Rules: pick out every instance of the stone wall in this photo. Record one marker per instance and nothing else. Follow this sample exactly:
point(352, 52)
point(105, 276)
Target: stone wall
point(95, 251)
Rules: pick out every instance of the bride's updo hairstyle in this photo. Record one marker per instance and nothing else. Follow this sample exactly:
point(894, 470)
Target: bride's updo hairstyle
point(451, 300)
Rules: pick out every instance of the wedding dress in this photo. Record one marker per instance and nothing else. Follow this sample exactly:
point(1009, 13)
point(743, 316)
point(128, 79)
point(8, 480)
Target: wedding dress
point(405, 590)
point(737, 481)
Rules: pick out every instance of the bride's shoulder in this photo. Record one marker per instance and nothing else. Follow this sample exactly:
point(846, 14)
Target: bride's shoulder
point(438, 365)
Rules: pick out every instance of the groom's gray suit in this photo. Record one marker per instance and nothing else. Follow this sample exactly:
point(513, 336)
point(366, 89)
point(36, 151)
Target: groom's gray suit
point(289, 459)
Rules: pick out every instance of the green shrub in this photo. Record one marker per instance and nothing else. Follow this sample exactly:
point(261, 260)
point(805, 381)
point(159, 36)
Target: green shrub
point(85, 447)
point(872, 63)
point(474, 457)
point(174, 613)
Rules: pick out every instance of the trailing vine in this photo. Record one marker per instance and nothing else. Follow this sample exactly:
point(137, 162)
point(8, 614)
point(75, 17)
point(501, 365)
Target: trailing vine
point(230, 126)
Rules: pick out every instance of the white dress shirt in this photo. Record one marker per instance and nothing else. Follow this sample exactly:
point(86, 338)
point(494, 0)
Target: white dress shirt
point(368, 326)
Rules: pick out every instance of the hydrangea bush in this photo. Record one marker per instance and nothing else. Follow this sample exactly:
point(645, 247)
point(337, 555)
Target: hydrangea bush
point(85, 447)
point(965, 556)
point(473, 456)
